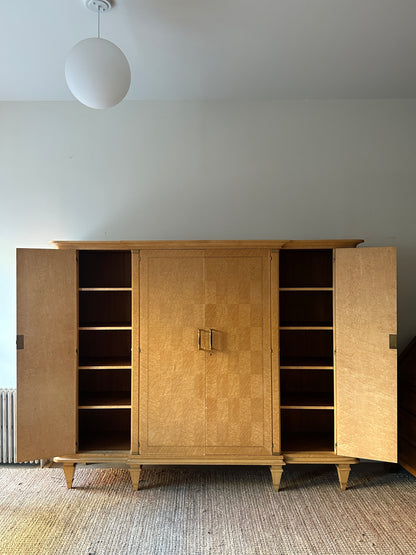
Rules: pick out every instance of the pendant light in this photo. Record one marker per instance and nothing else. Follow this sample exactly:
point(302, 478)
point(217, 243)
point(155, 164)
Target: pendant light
point(96, 70)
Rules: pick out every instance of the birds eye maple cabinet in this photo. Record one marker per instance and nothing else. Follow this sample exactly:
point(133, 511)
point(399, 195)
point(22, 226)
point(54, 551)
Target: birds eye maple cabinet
point(207, 352)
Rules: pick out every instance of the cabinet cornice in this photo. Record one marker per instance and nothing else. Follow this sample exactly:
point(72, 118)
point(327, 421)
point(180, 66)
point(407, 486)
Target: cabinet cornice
point(273, 244)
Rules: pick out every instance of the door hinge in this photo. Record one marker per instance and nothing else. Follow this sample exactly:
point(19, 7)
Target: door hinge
point(20, 342)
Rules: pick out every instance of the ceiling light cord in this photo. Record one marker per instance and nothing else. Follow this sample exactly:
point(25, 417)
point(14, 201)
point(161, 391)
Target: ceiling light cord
point(99, 22)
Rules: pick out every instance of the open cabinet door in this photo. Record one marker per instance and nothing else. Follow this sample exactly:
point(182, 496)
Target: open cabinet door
point(46, 355)
point(365, 353)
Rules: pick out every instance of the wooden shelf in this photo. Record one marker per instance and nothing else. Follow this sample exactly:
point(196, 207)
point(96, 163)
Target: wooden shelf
point(306, 348)
point(305, 363)
point(105, 289)
point(306, 288)
point(105, 309)
point(109, 441)
point(309, 309)
point(106, 327)
point(104, 428)
point(105, 400)
point(308, 442)
point(105, 339)
point(105, 347)
point(307, 407)
point(104, 363)
point(305, 367)
point(309, 400)
point(306, 327)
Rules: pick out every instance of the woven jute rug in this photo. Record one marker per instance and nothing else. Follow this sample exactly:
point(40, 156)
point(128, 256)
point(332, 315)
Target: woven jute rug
point(207, 510)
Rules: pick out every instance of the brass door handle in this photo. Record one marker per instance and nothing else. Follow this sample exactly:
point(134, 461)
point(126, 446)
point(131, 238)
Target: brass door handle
point(199, 342)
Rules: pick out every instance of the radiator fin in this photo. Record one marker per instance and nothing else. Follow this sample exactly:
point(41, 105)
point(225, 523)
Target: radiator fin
point(8, 427)
point(7, 421)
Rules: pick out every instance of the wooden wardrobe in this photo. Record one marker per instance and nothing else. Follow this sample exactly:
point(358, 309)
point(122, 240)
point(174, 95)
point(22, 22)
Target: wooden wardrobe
point(207, 352)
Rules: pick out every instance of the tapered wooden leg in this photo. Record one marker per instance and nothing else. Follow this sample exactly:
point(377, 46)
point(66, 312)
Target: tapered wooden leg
point(135, 471)
point(276, 472)
point(343, 473)
point(69, 471)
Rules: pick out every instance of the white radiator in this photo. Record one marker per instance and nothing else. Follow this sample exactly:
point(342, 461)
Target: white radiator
point(8, 426)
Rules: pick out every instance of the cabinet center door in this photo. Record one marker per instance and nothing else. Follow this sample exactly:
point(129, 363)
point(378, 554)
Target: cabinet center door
point(172, 367)
point(238, 367)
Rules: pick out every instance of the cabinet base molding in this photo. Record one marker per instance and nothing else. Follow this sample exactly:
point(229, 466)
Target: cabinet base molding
point(276, 463)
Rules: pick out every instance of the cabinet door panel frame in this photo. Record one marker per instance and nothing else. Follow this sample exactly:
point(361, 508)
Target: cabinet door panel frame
point(238, 376)
point(176, 262)
point(366, 366)
point(172, 377)
point(46, 368)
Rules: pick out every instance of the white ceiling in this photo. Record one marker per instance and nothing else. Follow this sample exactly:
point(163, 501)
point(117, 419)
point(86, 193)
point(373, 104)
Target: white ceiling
point(205, 49)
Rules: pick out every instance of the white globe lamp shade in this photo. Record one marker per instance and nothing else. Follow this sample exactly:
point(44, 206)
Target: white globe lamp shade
point(97, 73)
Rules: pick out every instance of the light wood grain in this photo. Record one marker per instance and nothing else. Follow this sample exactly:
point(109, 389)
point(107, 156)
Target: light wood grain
point(123, 457)
point(226, 244)
point(220, 403)
point(366, 368)
point(135, 351)
point(314, 457)
point(238, 376)
point(172, 382)
point(69, 471)
point(46, 367)
point(212, 401)
point(135, 471)
point(343, 473)
point(274, 325)
point(276, 472)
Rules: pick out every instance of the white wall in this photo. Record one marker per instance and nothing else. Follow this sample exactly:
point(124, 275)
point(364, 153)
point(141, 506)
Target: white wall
point(208, 170)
